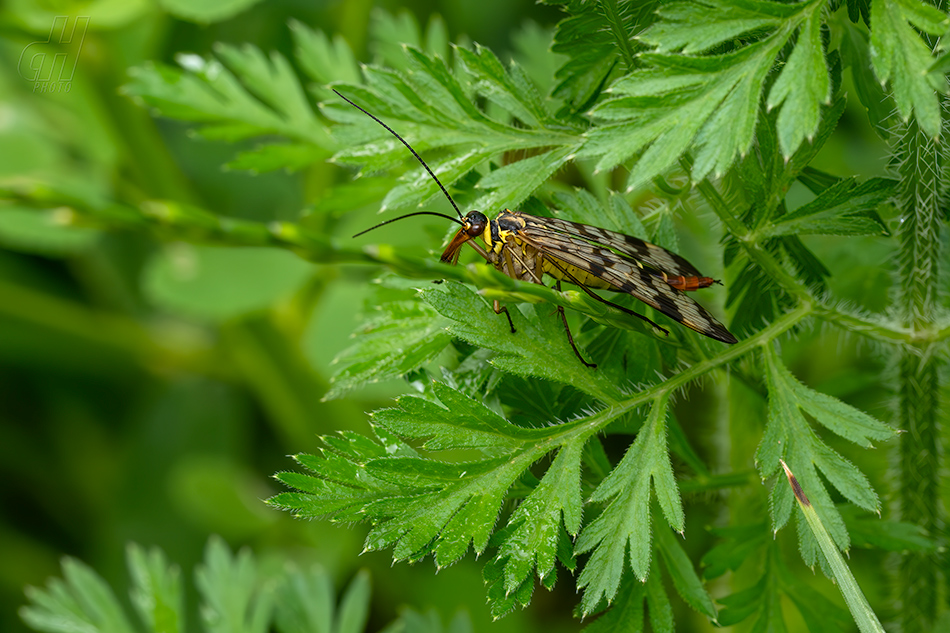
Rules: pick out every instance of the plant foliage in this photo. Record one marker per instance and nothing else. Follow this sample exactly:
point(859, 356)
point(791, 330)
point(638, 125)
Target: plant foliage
point(236, 595)
point(508, 446)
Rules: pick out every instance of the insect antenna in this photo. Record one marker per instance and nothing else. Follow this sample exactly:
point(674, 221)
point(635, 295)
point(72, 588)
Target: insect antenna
point(409, 215)
point(418, 158)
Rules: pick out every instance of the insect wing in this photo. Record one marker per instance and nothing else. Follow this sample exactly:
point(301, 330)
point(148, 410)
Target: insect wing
point(626, 276)
point(582, 235)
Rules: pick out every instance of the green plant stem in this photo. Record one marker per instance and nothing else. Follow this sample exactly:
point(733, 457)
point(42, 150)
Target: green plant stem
point(598, 422)
point(857, 602)
point(272, 365)
point(719, 482)
point(869, 328)
point(149, 169)
point(112, 333)
point(174, 223)
point(922, 167)
point(756, 252)
point(921, 334)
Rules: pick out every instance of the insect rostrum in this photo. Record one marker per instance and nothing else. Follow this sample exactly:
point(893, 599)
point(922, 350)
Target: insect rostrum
point(525, 247)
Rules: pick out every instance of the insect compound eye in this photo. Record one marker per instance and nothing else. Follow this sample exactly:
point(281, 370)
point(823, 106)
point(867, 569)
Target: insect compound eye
point(475, 223)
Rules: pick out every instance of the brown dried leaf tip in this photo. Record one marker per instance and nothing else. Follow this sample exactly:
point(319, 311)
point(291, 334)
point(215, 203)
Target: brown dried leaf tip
point(796, 487)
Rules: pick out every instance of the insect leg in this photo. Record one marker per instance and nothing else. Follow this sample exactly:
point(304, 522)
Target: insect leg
point(510, 257)
point(570, 338)
point(499, 309)
point(594, 295)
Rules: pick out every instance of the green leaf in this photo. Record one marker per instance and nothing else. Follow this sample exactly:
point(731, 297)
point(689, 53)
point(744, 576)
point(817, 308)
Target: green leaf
point(892, 536)
point(681, 29)
point(859, 10)
point(236, 597)
point(290, 156)
point(31, 231)
point(738, 543)
point(532, 43)
point(354, 605)
point(625, 521)
point(324, 60)
point(845, 208)
point(599, 40)
point(273, 81)
point(344, 197)
point(627, 358)
point(156, 589)
point(260, 97)
point(228, 587)
point(213, 283)
point(453, 505)
point(206, 11)
point(816, 609)
point(754, 295)
point(764, 599)
point(460, 422)
point(305, 602)
point(411, 621)
point(801, 87)
point(418, 506)
point(502, 601)
point(510, 88)
point(81, 601)
point(513, 183)
point(401, 337)
point(419, 188)
point(709, 103)
point(901, 57)
point(626, 613)
point(941, 65)
point(788, 436)
point(344, 487)
point(535, 526)
point(431, 109)
point(390, 33)
point(856, 54)
point(538, 348)
point(800, 161)
point(681, 572)
point(658, 605)
point(817, 180)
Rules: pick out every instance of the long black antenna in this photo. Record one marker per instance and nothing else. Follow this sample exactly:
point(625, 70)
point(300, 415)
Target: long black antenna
point(418, 158)
point(409, 215)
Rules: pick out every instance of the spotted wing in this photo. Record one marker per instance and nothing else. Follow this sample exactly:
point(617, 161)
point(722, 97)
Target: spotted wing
point(583, 235)
point(624, 275)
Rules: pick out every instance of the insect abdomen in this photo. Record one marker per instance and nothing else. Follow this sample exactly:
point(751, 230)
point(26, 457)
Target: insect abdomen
point(688, 283)
point(579, 275)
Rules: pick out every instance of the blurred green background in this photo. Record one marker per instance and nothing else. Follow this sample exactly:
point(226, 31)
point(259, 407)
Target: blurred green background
point(149, 390)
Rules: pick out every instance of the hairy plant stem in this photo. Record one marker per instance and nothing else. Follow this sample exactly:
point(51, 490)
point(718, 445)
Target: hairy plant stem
point(922, 169)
